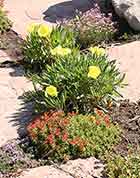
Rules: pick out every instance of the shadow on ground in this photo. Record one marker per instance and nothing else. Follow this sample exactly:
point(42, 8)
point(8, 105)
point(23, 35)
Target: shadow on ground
point(22, 117)
point(66, 10)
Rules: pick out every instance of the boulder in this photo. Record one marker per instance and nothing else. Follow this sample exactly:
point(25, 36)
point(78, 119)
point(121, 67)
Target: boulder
point(130, 10)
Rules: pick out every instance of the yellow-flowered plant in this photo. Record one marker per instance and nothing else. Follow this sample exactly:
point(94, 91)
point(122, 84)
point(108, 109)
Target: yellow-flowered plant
point(44, 30)
point(84, 81)
point(32, 26)
point(60, 51)
point(51, 91)
point(97, 51)
point(44, 44)
point(94, 72)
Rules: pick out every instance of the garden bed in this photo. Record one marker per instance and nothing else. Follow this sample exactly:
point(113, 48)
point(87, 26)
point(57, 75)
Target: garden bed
point(74, 87)
point(127, 115)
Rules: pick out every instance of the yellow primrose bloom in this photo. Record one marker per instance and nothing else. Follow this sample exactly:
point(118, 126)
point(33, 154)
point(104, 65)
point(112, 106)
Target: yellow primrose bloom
point(31, 27)
point(98, 51)
point(94, 72)
point(60, 51)
point(51, 90)
point(44, 30)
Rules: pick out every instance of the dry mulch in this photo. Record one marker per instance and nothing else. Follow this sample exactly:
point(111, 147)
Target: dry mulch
point(127, 115)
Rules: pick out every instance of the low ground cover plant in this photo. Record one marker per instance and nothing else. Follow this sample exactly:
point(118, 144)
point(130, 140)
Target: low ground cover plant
point(13, 158)
point(61, 137)
point(124, 166)
point(77, 82)
point(93, 26)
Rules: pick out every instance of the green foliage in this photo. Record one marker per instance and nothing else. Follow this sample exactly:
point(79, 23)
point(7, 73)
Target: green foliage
point(76, 90)
point(37, 48)
point(60, 137)
point(64, 37)
point(124, 167)
point(5, 23)
point(5, 167)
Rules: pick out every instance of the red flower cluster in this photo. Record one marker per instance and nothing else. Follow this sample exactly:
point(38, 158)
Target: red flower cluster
point(78, 142)
point(52, 126)
point(102, 117)
point(50, 139)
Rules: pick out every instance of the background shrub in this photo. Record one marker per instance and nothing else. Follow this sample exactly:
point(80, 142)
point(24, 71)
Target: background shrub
point(5, 23)
point(37, 48)
point(76, 90)
point(93, 27)
point(60, 137)
point(123, 167)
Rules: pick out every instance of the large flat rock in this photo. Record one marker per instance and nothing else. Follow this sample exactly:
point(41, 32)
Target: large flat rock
point(12, 87)
point(128, 60)
point(130, 10)
point(79, 168)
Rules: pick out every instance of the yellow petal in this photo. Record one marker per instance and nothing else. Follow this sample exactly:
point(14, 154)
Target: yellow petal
point(51, 90)
point(44, 30)
point(98, 51)
point(60, 51)
point(93, 49)
point(31, 27)
point(94, 72)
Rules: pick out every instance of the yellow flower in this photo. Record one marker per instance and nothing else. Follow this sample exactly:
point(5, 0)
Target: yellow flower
point(51, 90)
point(98, 51)
point(44, 30)
point(94, 72)
point(31, 27)
point(60, 51)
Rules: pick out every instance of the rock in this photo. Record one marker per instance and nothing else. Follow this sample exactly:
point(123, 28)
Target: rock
point(90, 167)
point(14, 114)
point(130, 10)
point(87, 168)
point(127, 58)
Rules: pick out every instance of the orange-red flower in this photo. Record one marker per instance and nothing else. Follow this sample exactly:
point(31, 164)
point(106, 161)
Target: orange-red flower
point(65, 137)
point(73, 142)
point(98, 122)
point(107, 120)
point(50, 139)
point(57, 132)
point(99, 112)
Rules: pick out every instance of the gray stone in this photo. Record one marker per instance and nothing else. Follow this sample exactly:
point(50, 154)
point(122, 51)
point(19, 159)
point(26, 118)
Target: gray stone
point(130, 10)
point(79, 168)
